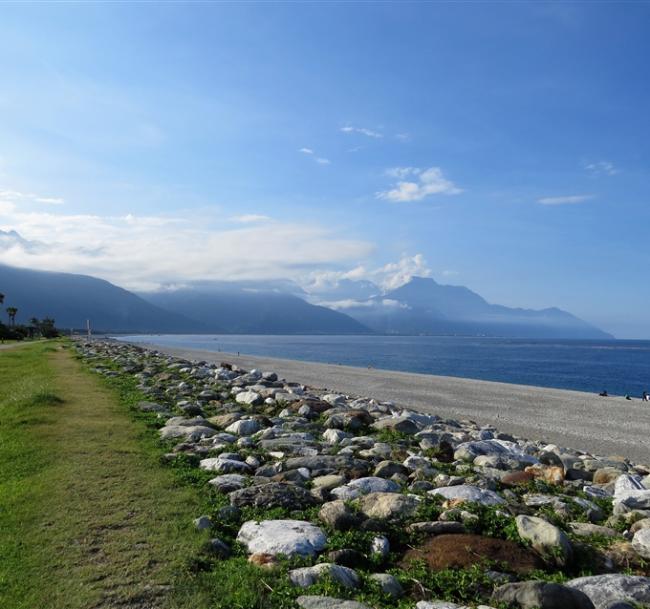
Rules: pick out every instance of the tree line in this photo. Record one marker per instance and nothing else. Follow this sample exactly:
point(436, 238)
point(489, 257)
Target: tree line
point(36, 328)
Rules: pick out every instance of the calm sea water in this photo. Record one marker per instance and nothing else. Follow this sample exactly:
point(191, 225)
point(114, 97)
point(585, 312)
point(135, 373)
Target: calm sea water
point(618, 366)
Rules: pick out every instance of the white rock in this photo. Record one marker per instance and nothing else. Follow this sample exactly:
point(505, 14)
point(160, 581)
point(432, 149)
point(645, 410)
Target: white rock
point(470, 450)
point(248, 397)
point(363, 486)
point(641, 542)
point(223, 466)
point(605, 589)
point(244, 427)
point(334, 399)
point(334, 436)
point(308, 576)
point(380, 546)
point(193, 433)
point(545, 537)
point(468, 492)
point(288, 537)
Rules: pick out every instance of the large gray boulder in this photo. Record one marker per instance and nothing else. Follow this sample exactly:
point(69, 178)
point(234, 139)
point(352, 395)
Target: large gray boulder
point(467, 492)
point(363, 486)
point(192, 433)
point(468, 451)
point(541, 595)
point(274, 494)
point(308, 576)
point(641, 542)
point(244, 427)
point(388, 506)
point(604, 590)
point(400, 424)
point(546, 538)
point(224, 465)
point(287, 537)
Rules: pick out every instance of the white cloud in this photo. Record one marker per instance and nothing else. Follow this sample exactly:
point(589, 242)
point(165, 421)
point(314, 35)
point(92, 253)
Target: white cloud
point(362, 131)
point(14, 195)
point(601, 168)
point(423, 183)
point(565, 200)
point(403, 137)
point(250, 218)
point(349, 303)
point(387, 277)
point(396, 274)
point(144, 252)
point(319, 160)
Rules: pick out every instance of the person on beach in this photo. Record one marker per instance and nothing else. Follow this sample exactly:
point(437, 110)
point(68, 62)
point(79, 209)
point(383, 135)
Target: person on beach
point(603, 393)
point(645, 397)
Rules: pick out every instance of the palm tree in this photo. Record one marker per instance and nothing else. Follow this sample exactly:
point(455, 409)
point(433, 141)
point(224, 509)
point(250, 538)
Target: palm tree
point(11, 312)
point(34, 325)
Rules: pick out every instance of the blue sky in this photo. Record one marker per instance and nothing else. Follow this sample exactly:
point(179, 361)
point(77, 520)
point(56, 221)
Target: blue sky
point(502, 146)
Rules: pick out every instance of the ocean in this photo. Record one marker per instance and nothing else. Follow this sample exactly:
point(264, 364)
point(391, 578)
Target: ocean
point(618, 366)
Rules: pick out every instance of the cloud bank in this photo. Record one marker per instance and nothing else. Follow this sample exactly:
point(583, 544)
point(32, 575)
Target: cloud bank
point(144, 252)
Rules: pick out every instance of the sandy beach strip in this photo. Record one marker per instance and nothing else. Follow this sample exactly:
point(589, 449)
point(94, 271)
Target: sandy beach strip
point(603, 426)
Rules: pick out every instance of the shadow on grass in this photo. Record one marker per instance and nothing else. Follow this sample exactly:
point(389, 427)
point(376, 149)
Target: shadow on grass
point(44, 397)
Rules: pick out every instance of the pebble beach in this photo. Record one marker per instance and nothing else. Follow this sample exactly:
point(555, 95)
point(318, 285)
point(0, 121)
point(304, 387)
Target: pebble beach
point(361, 487)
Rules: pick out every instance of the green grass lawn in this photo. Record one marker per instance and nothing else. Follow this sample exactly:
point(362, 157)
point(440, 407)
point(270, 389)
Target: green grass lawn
point(88, 517)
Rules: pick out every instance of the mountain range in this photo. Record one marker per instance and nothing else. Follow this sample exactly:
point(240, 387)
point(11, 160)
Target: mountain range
point(421, 306)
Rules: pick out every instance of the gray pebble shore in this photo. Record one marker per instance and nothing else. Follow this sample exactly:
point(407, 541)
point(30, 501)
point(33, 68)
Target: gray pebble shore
point(294, 465)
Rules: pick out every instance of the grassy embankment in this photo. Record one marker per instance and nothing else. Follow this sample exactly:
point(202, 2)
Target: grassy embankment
point(88, 517)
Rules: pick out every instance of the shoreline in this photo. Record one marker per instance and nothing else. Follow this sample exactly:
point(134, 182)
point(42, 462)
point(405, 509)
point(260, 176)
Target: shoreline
point(604, 426)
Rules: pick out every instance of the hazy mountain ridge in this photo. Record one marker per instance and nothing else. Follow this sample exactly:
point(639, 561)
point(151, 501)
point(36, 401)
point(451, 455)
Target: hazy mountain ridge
point(423, 306)
point(72, 299)
point(242, 309)
point(217, 307)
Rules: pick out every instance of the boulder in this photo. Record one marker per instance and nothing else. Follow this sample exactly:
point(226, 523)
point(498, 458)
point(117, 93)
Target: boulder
point(541, 595)
point(545, 538)
point(308, 576)
point(466, 492)
point(641, 542)
point(249, 397)
point(388, 506)
point(244, 427)
point(274, 494)
point(228, 482)
point(604, 590)
point(287, 537)
point(337, 515)
point(224, 465)
point(437, 528)
point(328, 602)
point(363, 486)
point(388, 584)
point(468, 451)
point(399, 424)
point(193, 433)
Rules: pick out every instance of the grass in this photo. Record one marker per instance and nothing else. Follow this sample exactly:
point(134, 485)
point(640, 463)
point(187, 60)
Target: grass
point(88, 518)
